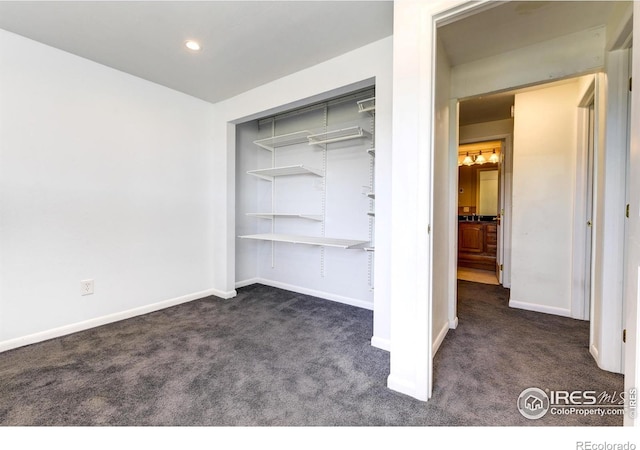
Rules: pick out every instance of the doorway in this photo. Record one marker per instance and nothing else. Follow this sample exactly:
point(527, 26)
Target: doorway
point(479, 205)
point(465, 65)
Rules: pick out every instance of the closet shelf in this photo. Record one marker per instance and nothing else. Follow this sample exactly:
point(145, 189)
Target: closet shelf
point(309, 240)
point(367, 105)
point(338, 135)
point(269, 174)
point(371, 151)
point(317, 217)
point(271, 143)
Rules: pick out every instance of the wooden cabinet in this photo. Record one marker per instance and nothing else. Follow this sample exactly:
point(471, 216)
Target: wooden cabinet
point(471, 238)
point(477, 245)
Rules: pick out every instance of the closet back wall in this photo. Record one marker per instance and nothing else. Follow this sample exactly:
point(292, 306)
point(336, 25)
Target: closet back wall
point(337, 204)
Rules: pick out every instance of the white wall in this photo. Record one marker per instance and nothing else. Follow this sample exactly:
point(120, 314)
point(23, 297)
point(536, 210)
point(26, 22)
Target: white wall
point(544, 159)
point(481, 131)
point(555, 59)
point(103, 176)
point(413, 106)
point(368, 65)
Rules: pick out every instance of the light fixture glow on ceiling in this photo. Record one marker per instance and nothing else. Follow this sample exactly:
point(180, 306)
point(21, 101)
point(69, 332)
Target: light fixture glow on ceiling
point(192, 45)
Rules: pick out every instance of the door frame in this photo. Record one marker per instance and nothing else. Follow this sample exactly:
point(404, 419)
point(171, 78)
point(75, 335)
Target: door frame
point(632, 240)
point(580, 298)
point(506, 173)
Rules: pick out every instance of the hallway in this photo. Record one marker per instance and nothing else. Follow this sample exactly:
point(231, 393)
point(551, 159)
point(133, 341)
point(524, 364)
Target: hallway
point(496, 352)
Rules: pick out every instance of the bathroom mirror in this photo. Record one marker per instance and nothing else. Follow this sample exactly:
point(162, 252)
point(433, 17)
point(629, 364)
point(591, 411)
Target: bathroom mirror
point(488, 192)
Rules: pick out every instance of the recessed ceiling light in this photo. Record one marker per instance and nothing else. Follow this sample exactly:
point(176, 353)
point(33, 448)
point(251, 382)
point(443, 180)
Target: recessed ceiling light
point(192, 45)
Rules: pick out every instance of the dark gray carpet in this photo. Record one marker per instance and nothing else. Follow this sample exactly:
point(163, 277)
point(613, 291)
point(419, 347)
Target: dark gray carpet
point(272, 357)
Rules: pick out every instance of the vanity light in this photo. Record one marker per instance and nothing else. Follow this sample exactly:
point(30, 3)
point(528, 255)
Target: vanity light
point(192, 45)
point(480, 159)
point(467, 161)
point(494, 158)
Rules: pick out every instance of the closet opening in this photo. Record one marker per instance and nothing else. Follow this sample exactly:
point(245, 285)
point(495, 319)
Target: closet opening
point(305, 199)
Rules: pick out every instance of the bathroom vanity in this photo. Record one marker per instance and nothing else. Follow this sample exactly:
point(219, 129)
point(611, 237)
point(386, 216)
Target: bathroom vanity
point(477, 244)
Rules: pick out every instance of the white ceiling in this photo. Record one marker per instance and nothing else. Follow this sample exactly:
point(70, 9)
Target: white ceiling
point(512, 25)
point(244, 43)
point(250, 43)
point(486, 109)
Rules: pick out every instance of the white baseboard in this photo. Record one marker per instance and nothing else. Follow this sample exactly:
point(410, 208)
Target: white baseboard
point(302, 290)
point(440, 337)
point(248, 282)
point(453, 324)
point(225, 295)
point(382, 344)
point(540, 308)
point(110, 318)
point(594, 352)
point(604, 365)
point(404, 387)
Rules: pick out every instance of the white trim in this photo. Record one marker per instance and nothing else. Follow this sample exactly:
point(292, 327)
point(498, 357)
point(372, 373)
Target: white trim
point(110, 318)
point(540, 308)
point(400, 384)
point(381, 343)
point(632, 241)
point(580, 298)
point(440, 337)
point(594, 352)
point(620, 36)
point(454, 137)
point(222, 294)
point(302, 290)
point(248, 282)
point(453, 324)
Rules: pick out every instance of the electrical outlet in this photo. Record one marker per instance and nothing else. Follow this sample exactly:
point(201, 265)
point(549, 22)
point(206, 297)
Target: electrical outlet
point(86, 287)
